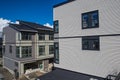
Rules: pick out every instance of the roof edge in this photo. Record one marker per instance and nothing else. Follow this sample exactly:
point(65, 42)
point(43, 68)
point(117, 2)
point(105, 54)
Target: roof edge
point(60, 4)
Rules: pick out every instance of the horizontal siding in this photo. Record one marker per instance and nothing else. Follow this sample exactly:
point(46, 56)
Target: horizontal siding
point(69, 17)
point(99, 63)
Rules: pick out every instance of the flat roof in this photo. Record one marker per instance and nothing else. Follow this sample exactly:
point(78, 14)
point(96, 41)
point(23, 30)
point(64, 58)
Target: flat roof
point(62, 74)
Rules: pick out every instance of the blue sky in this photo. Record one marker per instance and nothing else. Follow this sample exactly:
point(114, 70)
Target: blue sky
point(39, 11)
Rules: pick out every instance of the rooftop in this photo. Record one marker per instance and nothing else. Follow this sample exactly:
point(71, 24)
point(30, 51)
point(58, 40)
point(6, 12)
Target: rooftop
point(29, 27)
point(62, 74)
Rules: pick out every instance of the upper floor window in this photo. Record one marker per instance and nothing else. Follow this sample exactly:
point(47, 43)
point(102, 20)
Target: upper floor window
point(41, 50)
point(90, 19)
point(17, 51)
point(56, 26)
point(56, 52)
point(51, 49)
point(51, 37)
point(26, 36)
point(41, 36)
point(90, 43)
point(10, 49)
point(26, 51)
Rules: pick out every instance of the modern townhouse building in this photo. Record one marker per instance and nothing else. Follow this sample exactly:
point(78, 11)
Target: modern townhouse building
point(27, 46)
point(87, 35)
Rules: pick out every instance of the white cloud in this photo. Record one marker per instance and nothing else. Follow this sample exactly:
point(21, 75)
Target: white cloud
point(47, 24)
point(3, 23)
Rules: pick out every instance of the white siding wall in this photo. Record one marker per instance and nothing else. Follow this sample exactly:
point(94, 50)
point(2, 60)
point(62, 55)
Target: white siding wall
point(69, 16)
point(72, 57)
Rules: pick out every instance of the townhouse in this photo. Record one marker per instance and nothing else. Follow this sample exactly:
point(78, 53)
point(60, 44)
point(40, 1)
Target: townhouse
point(27, 46)
point(87, 40)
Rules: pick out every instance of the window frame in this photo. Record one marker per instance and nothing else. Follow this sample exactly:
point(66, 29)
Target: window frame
point(10, 48)
point(51, 36)
point(26, 36)
point(56, 26)
point(42, 36)
point(26, 51)
point(18, 51)
point(51, 49)
point(89, 23)
point(90, 44)
point(43, 50)
point(56, 55)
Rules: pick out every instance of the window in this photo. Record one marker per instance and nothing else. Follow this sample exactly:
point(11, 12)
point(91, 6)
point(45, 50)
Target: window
point(3, 50)
point(10, 49)
point(18, 52)
point(26, 36)
point(51, 49)
point(51, 37)
point(56, 26)
point(41, 50)
point(26, 51)
point(90, 20)
point(41, 36)
point(56, 52)
point(90, 43)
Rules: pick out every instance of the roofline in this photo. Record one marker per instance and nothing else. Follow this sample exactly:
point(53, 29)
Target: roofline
point(63, 3)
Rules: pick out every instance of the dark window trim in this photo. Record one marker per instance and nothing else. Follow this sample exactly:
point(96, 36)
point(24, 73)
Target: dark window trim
point(43, 51)
point(55, 26)
point(56, 60)
point(91, 38)
point(90, 12)
point(10, 48)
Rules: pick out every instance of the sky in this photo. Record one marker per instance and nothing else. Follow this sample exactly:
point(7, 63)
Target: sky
point(38, 11)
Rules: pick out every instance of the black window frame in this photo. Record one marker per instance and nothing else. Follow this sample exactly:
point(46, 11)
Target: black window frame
point(89, 21)
point(42, 53)
point(56, 52)
point(26, 36)
point(51, 49)
point(56, 26)
point(18, 51)
point(26, 51)
point(41, 36)
point(10, 48)
point(51, 36)
point(91, 43)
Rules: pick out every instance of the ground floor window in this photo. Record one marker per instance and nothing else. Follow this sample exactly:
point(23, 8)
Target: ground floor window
point(56, 52)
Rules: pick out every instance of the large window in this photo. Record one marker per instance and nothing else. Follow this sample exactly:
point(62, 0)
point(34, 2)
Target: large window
point(41, 36)
point(56, 52)
point(56, 26)
point(51, 49)
point(26, 51)
point(90, 19)
point(41, 50)
point(51, 37)
point(17, 51)
point(26, 36)
point(90, 43)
